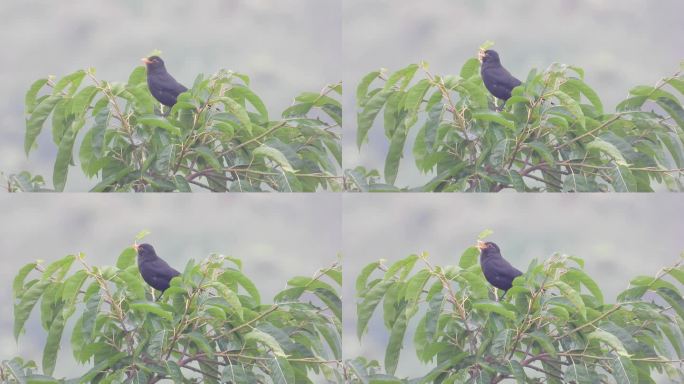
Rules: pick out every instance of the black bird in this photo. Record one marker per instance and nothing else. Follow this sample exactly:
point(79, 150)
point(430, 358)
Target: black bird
point(497, 79)
point(162, 85)
point(155, 271)
point(498, 272)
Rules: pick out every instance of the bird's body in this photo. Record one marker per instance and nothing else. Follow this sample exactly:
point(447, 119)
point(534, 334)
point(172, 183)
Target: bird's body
point(498, 272)
point(162, 85)
point(498, 81)
point(155, 271)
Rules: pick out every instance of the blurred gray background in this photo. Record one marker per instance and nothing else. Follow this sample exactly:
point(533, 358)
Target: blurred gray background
point(618, 236)
point(619, 43)
point(285, 46)
point(276, 236)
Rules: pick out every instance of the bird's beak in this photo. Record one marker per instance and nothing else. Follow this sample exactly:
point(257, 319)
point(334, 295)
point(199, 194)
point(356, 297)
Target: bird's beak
point(481, 245)
point(481, 55)
point(146, 60)
point(136, 246)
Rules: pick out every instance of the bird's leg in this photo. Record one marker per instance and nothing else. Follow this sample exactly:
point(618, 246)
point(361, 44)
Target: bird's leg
point(165, 114)
point(496, 294)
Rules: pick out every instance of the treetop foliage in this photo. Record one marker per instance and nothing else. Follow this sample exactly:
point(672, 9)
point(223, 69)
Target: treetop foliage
point(211, 325)
point(554, 134)
point(219, 136)
point(554, 325)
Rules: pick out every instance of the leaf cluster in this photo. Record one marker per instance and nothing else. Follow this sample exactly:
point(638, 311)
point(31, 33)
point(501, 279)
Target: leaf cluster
point(210, 325)
point(554, 325)
point(218, 136)
point(553, 134)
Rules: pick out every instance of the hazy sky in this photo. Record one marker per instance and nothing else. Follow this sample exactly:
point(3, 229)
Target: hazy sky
point(620, 44)
point(276, 236)
point(618, 236)
point(285, 46)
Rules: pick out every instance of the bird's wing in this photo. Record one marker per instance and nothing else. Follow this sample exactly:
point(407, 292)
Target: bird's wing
point(504, 268)
point(163, 269)
point(504, 78)
point(168, 84)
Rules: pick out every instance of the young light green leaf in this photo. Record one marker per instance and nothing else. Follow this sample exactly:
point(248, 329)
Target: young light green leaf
point(275, 155)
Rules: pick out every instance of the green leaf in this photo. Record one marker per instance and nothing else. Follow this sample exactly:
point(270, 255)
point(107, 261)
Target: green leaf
point(544, 152)
point(102, 366)
point(470, 68)
point(607, 148)
point(623, 179)
point(152, 308)
point(573, 296)
point(18, 283)
point(414, 288)
point(275, 155)
point(73, 81)
point(72, 286)
point(26, 304)
point(588, 93)
point(81, 101)
point(267, 340)
point(52, 344)
point(415, 95)
point(160, 122)
point(394, 155)
point(201, 342)
point(624, 370)
point(571, 105)
point(492, 306)
point(238, 111)
point(367, 306)
point(281, 371)
point(126, 258)
point(673, 298)
point(233, 276)
point(609, 339)
point(469, 257)
point(362, 88)
point(252, 98)
point(31, 94)
point(395, 344)
point(545, 342)
point(362, 278)
point(403, 75)
point(493, 116)
point(230, 296)
point(367, 116)
point(573, 275)
point(34, 124)
point(133, 285)
point(210, 157)
point(112, 179)
point(65, 154)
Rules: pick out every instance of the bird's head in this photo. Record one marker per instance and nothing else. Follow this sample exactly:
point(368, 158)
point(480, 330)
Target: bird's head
point(488, 56)
point(145, 251)
point(488, 249)
point(153, 62)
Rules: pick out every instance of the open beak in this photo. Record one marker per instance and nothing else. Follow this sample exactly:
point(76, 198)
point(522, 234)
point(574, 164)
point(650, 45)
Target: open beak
point(481, 245)
point(146, 60)
point(481, 55)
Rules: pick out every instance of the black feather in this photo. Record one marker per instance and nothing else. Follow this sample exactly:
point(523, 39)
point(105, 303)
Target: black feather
point(498, 272)
point(498, 81)
point(155, 271)
point(162, 85)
